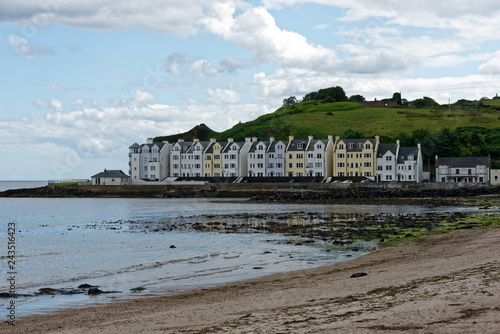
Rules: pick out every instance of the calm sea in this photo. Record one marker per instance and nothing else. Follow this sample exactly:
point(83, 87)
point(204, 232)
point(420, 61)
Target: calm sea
point(64, 242)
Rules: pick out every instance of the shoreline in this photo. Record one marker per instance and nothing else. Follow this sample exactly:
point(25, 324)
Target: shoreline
point(440, 283)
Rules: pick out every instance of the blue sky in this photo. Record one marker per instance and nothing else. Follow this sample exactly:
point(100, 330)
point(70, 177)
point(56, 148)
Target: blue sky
point(82, 80)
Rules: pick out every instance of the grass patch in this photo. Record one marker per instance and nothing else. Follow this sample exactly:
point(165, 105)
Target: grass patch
point(65, 184)
point(139, 288)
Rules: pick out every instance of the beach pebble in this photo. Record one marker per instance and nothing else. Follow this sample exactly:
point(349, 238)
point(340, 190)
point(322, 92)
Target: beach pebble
point(358, 275)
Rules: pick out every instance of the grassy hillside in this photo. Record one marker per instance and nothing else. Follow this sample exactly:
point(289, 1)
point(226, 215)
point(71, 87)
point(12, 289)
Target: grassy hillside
point(321, 119)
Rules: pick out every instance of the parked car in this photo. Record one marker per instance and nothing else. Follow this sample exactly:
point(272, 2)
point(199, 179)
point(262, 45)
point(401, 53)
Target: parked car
point(366, 181)
point(337, 181)
point(347, 181)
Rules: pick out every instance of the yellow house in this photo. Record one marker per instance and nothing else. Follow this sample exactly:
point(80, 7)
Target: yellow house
point(213, 159)
point(296, 157)
point(355, 157)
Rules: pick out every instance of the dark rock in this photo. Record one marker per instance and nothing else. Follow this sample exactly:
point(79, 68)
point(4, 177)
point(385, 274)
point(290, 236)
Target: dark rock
point(87, 286)
point(358, 275)
point(95, 291)
point(172, 246)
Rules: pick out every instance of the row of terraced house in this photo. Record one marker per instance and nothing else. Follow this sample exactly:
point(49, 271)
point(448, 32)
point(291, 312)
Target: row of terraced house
point(325, 158)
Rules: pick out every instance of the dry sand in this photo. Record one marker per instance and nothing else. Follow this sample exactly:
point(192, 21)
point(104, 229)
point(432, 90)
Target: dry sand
point(446, 283)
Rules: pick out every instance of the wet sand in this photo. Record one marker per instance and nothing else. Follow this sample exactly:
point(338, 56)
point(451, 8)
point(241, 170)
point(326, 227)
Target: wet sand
point(448, 283)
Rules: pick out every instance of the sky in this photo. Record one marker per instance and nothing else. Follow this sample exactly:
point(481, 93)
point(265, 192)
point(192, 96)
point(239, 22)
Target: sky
point(82, 80)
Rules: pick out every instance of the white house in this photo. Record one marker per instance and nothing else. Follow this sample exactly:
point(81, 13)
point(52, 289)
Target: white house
point(196, 154)
point(463, 169)
point(110, 178)
point(149, 161)
point(257, 158)
point(275, 156)
point(316, 157)
point(495, 177)
point(386, 162)
point(180, 165)
point(410, 166)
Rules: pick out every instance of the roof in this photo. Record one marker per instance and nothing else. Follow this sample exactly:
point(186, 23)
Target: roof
point(384, 148)
point(404, 152)
point(355, 143)
point(386, 103)
point(111, 174)
point(464, 162)
point(239, 143)
point(314, 142)
point(135, 145)
point(272, 146)
point(210, 148)
point(253, 148)
point(294, 145)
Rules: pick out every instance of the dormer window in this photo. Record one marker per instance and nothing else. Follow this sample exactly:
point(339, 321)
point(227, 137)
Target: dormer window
point(260, 147)
point(341, 147)
point(368, 146)
point(360, 145)
point(300, 146)
point(351, 146)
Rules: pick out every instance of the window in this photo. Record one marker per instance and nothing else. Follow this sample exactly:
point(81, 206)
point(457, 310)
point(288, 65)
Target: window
point(233, 165)
point(270, 166)
point(271, 156)
point(209, 157)
point(260, 156)
point(145, 167)
point(260, 165)
point(310, 165)
point(320, 147)
point(290, 165)
point(341, 155)
point(380, 168)
point(280, 156)
point(153, 168)
point(300, 156)
point(457, 171)
point(233, 156)
point(341, 165)
point(289, 156)
point(409, 177)
point(340, 174)
point(367, 164)
point(388, 158)
point(226, 156)
point(176, 148)
point(300, 174)
point(319, 156)
point(198, 148)
point(360, 146)
point(300, 146)
point(388, 177)
point(197, 166)
point(470, 171)
point(368, 155)
point(153, 177)
point(176, 166)
point(341, 147)
point(279, 165)
point(318, 165)
point(368, 146)
point(234, 147)
point(411, 157)
point(310, 155)
point(216, 165)
point(260, 148)
point(226, 166)
point(409, 167)
point(368, 174)
point(388, 167)
point(196, 157)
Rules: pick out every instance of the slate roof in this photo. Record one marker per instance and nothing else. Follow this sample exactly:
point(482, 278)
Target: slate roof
point(210, 148)
point(255, 144)
point(384, 148)
point(272, 146)
point(239, 143)
point(355, 143)
point(111, 174)
point(464, 162)
point(135, 145)
point(314, 142)
point(293, 146)
point(404, 152)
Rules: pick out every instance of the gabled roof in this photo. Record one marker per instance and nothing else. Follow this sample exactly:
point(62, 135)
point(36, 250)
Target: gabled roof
point(294, 145)
point(384, 148)
point(313, 143)
point(404, 152)
point(210, 147)
point(272, 146)
point(464, 162)
point(255, 144)
point(111, 174)
point(239, 143)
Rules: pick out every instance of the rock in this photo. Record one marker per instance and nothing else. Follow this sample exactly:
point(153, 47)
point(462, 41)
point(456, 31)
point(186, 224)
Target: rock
point(172, 246)
point(95, 291)
point(358, 275)
point(87, 286)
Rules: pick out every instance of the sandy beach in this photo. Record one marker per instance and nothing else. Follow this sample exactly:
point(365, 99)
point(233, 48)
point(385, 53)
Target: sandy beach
point(448, 283)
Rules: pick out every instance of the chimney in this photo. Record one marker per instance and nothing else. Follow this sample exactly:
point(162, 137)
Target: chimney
point(377, 137)
point(397, 142)
point(290, 138)
point(230, 139)
point(150, 141)
point(180, 140)
point(310, 137)
point(247, 139)
point(212, 140)
point(196, 140)
point(165, 142)
point(271, 139)
point(337, 137)
point(254, 139)
point(330, 137)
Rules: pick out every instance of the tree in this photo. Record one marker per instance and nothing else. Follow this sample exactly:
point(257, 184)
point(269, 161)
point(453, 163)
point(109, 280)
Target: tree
point(336, 93)
point(289, 101)
point(397, 96)
point(352, 134)
point(425, 102)
point(357, 98)
point(446, 143)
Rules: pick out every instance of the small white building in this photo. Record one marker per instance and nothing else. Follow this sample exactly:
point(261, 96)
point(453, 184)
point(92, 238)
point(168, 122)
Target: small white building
point(257, 158)
point(410, 166)
point(386, 162)
point(316, 157)
point(463, 169)
point(495, 177)
point(110, 178)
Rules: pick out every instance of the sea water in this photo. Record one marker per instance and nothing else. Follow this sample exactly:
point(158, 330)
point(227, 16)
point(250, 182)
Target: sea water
point(65, 242)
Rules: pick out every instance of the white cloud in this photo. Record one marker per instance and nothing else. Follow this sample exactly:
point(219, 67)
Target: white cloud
point(53, 104)
point(490, 67)
point(53, 87)
point(142, 99)
point(223, 96)
point(22, 47)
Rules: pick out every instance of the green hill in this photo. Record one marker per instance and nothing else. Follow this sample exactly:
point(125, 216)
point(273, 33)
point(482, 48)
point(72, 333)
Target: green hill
point(474, 126)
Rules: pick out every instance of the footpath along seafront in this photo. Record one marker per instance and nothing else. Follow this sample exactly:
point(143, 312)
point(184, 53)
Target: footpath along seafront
point(444, 283)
